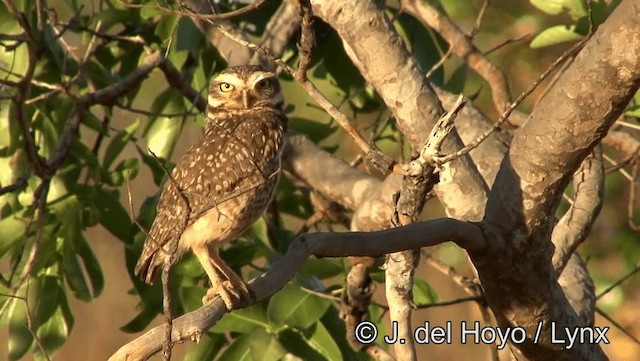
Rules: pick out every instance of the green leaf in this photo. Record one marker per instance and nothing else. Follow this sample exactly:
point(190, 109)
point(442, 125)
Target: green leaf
point(20, 338)
point(110, 211)
point(423, 294)
point(77, 257)
point(376, 315)
point(167, 24)
point(52, 318)
point(74, 276)
point(291, 200)
point(293, 307)
point(207, 348)
point(112, 215)
point(576, 8)
point(55, 331)
point(316, 131)
point(257, 346)
point(11, 232)
point(265, 347)
point(118, 143)
point(336, 328)
point(101, 77)
point(91, 267)
point(92, 122)
point(555, 35)
point(189, 37)
point(156, 169)
point(551, 7)
point(457, 80)
point(322, 342)
point(63, 64)
point(322, 267)
point(125, 170)
point(318, 346)
point(244, 320)
point(242, 253)
point(239, 350)
point(162, 136)
point(8, 129)
point(258, 231)
point(633, 111)
point(141, 321)
point(191, 297)
point(333, 72)
point(83, 157)
point(426, 46)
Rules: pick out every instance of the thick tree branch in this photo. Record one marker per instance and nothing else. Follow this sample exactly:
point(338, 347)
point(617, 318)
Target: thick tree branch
point(579, 289)
point(462, 46)
point(280, 29)
point(379, 53)
point(623, 142)
point(228, 49)
point(575, 224)
point(106, 96)
point(562, 130)
point(191, 325)
point(345, 185)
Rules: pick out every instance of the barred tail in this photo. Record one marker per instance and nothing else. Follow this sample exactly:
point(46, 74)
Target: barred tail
point(148, 265)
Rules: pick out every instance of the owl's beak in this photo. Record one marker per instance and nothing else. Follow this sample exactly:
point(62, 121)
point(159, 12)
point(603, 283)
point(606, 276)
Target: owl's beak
point(246, 99)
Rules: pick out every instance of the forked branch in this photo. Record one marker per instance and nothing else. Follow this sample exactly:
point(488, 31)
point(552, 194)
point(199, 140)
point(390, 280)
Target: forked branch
point(191, 325)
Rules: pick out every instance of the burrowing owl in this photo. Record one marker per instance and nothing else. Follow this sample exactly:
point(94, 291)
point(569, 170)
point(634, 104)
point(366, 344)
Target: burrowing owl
point(227, 178)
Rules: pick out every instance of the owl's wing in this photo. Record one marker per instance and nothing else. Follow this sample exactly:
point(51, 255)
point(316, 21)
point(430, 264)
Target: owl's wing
point(223, 164)
point(167, 219)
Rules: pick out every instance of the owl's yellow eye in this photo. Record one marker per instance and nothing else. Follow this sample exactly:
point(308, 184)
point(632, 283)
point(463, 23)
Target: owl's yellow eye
point(264, 84)
point(226, 87)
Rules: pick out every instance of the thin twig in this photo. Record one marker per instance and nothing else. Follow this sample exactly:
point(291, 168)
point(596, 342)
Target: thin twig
point(621, 170)
point(18, 185)
point(155, 114)
point(619, 282)
point(167, 300)
point(439, 63)
point(462, 46)
point(628, 125)
point(225, 16)
point(30, 323)
point(451, 302)
point(307, 41)
point(617, 325)
point(505, 115)
point(632, 199)
point(479, 18)
point(507, 42)
point(40, 201)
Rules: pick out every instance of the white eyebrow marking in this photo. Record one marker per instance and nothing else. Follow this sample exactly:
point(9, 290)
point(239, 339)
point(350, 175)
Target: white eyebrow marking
point(229, 78)
point(259, 75)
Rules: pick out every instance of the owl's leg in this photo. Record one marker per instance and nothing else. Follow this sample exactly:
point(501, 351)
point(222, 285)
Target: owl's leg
point(224, 282)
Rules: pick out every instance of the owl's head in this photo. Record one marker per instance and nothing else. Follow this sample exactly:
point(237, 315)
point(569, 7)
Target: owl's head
point(245, 87)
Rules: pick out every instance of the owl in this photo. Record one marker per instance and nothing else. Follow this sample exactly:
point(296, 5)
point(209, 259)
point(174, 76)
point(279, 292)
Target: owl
point(224, 182)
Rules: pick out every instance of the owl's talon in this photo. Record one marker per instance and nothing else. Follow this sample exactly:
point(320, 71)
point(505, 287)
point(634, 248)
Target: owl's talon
point(233, 297)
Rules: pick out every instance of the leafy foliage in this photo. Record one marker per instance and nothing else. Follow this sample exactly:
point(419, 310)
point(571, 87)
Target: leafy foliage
point(584, 15)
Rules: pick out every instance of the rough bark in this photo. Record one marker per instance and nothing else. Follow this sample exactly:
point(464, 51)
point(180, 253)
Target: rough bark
point(549, 148)
point(562, 130)
point(380, 55)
